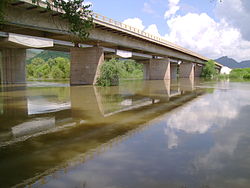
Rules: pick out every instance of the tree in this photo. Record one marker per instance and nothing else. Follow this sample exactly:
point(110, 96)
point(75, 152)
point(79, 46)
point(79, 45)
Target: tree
point(57, 68)
point(37, 61)
point(109, 73)
point(57, 73)
point(209, 70)
point(114, 69)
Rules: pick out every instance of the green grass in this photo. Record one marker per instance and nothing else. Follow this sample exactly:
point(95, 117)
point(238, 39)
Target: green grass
point(243, 73)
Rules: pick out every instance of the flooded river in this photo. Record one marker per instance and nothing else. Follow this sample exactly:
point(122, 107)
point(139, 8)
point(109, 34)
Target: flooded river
point(142, 134)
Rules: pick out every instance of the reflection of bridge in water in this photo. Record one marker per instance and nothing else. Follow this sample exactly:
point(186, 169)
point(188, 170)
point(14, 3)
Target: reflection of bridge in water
point(96, 119)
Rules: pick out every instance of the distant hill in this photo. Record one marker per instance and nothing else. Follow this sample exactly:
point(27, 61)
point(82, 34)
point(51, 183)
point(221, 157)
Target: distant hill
point(30, 53)
point(246, 63)
point(231, 63)
point(47, 54)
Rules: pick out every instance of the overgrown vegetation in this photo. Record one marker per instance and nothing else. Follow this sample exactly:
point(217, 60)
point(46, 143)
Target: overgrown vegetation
point(113, 70)
point(54, 69)
point(3, 5)
point(209, 70)
point(243, 73)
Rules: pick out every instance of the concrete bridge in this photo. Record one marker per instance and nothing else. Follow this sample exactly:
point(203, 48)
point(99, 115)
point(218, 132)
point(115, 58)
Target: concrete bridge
point(30, 25)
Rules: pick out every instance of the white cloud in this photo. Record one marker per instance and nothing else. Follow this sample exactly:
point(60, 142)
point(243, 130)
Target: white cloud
point(152, 29)
point(202, 34)
point(137, 23)
point(147, 8)
point(229, 36)
point(236, 13)
point(172, 8)
point(134, 22)
point(87, 3)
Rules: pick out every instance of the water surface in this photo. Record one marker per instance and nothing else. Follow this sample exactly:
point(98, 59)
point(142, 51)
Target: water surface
point(141, 134)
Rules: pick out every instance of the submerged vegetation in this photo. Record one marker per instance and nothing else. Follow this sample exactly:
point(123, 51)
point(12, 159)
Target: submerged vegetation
point(209, 70)
point(113, 70)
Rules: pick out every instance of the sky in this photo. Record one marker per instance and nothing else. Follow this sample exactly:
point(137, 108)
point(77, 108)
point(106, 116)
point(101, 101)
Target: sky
point(213, 28)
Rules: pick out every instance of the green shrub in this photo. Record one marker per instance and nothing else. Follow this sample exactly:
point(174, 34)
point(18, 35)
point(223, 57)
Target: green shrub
point(243, 73)
point(57, 68)
point(209, 70)
point(114, 69)
point(109, 74)
point(246, 76)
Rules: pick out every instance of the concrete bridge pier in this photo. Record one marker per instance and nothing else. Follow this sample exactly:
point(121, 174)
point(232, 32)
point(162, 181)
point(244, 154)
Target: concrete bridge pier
point(197, 70)
point(173, 70)
point(85, 65)
point(146, 71)
point(159, 69)
point(12, 61)
point(186, 70)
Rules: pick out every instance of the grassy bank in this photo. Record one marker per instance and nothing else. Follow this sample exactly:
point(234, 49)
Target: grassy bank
point(243, 73)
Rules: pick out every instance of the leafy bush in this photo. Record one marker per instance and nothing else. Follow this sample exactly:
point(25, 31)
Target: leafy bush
point(209, 70)
point(57, 68)
point(114, 69)
point(109, 73)
point(130, 69)
point(246, 76)
point(243, 73)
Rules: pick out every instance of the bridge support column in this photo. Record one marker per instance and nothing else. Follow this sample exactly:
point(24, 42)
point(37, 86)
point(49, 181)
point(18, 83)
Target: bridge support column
point(85, 65)
point(197, 70)
point(159, 69)
point(173, 70)
point(146, 71)
point(13, 66)
point(186, 70)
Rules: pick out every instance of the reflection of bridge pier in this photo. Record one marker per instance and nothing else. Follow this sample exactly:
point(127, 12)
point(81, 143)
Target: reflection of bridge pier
point(14, 101)
point(187, 84)
point(84, 103)
point(158, 89)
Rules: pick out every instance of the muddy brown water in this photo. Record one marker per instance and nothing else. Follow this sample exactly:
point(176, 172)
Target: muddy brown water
point(186, 133)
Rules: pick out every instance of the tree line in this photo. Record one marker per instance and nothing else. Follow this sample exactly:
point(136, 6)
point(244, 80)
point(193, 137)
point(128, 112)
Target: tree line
point(54, 68)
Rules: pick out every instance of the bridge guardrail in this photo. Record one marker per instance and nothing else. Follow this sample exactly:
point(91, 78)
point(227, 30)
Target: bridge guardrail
point(132, 29)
